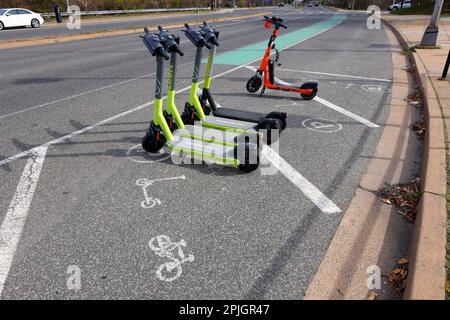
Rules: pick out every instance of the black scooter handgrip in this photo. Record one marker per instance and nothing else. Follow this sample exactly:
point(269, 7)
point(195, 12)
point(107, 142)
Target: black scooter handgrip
point(160, 28)
point(283, 26)
point(162, 53)
point(181, 53)
point(206, 45)
point(214, 41)
point(187, 25)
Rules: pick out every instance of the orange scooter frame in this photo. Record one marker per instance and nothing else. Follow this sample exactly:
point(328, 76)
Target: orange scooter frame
point(266, 70)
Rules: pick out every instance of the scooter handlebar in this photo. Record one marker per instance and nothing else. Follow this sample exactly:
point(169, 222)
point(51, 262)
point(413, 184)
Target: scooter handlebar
point(153, 43)
point(195, 37)
point(210, 35)
point(276, 21)
point(171, 42)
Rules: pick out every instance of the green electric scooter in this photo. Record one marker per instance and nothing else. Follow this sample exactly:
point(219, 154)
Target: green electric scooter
point(191, 141)
point(212, 114)
point(194, 110)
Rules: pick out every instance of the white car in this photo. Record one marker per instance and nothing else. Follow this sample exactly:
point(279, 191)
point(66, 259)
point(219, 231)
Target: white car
point(396, 6)
point(18, 17)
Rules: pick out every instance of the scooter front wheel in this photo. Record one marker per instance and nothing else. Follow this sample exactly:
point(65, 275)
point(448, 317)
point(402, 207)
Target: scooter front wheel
point(150, 143)
point(311, 95)
point(253, 84)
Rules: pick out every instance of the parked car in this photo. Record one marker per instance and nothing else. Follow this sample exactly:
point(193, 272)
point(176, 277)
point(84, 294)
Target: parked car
point(396, 6)
point(316, 3)
point(281, 4)
point(310, 4)
point(18, 17)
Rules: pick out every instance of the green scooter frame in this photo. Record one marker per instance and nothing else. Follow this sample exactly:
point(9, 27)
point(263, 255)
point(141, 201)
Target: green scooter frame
point(237, 152)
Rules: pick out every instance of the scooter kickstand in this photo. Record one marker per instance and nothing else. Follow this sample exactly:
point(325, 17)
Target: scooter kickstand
point(262, 91)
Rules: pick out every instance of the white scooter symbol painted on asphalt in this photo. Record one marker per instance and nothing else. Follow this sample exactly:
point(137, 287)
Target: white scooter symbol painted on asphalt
point(150, 202)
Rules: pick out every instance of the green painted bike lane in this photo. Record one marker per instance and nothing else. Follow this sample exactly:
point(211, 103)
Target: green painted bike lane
point(255, 51)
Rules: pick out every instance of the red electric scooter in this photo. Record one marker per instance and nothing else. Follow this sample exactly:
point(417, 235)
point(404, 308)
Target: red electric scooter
point(307, 90)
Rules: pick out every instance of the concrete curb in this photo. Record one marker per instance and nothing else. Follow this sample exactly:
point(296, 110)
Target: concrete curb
point(427, 273)
point(10, 44)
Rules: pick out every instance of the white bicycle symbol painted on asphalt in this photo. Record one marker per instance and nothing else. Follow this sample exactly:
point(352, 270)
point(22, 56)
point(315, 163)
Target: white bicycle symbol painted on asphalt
point(150, 202)
point(164, 248)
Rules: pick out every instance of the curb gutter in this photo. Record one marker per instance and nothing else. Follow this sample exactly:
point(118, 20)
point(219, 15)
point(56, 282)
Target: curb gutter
point(427, 271)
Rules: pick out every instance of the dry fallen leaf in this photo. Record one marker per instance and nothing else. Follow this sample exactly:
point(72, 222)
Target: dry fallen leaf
point(397, 277)
point(404, 197)
point(387, 201)
point(372, 295)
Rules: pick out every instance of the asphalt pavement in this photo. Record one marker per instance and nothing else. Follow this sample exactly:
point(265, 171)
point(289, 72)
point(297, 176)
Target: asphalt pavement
point(90, 202)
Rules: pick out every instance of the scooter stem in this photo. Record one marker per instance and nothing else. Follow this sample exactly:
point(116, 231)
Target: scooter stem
point(158, 116)
point(193, 97)
point(171, 107)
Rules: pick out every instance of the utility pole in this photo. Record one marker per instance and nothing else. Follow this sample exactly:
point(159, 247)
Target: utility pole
point(429, 38)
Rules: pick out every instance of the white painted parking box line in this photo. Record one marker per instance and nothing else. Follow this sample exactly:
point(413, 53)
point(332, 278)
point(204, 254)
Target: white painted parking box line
point(309, 190)
point(336, 108)
point(335, 75)
point(14, 221)
point(346, 113)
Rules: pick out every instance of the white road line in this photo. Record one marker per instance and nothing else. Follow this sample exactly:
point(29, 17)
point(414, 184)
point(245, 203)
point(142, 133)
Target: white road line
point(336, 108)
point(81, 94)
point(346, 112)
point(336, 75)
point(308, 189)
point(14, 221)
point(91, 127)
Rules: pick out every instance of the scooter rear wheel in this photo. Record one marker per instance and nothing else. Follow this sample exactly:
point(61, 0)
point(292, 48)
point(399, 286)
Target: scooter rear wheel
point(253, 84)
point(310, 96)
point(249, 161)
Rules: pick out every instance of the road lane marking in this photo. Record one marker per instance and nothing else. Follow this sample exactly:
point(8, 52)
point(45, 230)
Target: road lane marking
point(14, 221)
point(81, 94)
point(346, 113)
point(334, 74)
point(309, 190)
point(245, 54)
point(335, 107)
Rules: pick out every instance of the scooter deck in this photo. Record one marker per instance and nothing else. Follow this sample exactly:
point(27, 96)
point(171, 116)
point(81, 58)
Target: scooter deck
point(209, 135)
point(242, 115)
point(197, 149)
point(226, 122)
